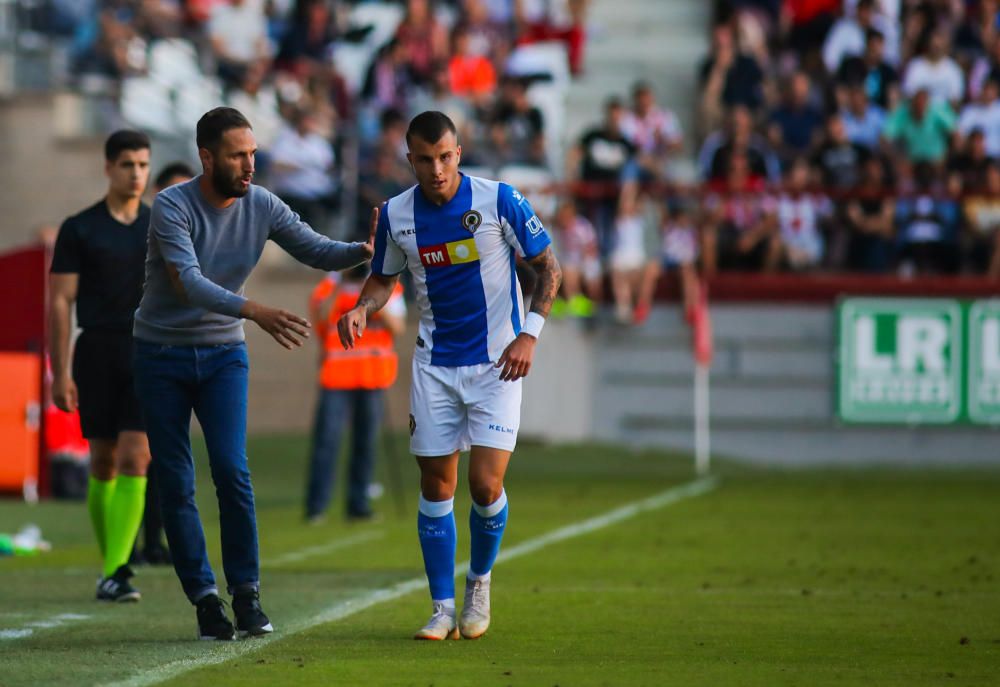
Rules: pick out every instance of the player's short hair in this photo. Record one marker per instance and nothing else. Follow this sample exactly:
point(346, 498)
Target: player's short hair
point(122, 140)
point(430, 126)
point(174, 169)
point(215, 123)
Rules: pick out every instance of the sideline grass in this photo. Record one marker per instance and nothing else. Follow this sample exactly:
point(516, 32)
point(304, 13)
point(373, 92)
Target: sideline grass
point(775, 579)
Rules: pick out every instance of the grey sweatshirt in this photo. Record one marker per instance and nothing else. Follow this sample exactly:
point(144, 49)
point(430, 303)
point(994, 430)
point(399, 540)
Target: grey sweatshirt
point(214, 250)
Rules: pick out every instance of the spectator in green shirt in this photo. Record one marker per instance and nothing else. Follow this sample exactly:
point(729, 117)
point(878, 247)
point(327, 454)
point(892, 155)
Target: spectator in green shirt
point(920, 129)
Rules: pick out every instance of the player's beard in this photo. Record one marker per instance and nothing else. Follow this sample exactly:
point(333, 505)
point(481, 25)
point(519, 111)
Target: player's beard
point(226, 185)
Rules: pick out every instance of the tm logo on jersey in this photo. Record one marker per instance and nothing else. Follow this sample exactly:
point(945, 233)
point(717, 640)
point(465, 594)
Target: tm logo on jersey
point(453, 253)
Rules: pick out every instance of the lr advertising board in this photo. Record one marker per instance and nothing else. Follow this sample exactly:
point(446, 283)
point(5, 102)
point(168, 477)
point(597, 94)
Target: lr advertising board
point(900, 361)
point(983, 381)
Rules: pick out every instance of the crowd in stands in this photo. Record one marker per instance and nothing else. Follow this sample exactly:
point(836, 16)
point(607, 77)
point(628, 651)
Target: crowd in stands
point(835, 135)
point(284, 64)
point(856, 135)
point(832, 135)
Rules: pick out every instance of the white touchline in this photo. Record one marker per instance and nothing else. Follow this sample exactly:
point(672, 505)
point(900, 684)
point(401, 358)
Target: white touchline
point(320, 549)
point(41, 624)
point(225, 651)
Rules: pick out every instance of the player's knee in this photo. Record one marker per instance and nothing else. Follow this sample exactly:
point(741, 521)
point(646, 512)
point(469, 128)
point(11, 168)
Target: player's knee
point(102, 464)
point(485, 491)
point(437, 489)
point(134, 463)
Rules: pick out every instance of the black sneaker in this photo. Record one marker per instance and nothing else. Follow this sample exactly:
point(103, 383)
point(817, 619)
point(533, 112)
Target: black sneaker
point(213, 623)
point(117, 587)
point(250, 618)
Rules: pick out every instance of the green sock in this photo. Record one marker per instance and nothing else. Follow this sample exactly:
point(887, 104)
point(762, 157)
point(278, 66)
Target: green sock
point(99, 493)
point(124, 516)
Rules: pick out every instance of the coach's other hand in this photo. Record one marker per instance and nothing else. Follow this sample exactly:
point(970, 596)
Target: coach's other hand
point(64, 394)
point(351, 325)
point(280, 324)
point(516, 358)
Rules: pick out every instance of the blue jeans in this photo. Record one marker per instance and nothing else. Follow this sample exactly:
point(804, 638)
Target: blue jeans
point(365, 408)
point(171, 381)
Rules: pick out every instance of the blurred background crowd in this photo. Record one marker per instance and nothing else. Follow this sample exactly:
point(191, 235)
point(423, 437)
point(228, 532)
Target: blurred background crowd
point(832, 135)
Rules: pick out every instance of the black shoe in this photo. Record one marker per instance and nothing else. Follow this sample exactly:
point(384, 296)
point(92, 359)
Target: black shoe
point(250, 618)
point(213, 623)
point(117, 587)
point(157, 555)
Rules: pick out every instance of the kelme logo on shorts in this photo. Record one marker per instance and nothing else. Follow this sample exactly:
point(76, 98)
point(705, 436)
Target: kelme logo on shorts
point(471, 220)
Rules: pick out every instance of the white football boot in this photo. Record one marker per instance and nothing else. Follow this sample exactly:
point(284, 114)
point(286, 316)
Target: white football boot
point(440, 626)
point(475, 618)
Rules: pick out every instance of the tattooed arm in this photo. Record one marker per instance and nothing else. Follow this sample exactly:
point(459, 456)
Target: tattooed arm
point(549, 277)
point(374, 295)
point(516, 359)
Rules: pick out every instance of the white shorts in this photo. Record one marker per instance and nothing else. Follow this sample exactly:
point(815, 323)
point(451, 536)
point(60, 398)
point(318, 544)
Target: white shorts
point(453, 408)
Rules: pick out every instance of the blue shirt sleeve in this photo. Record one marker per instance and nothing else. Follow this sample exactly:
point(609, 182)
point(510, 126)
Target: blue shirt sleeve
point(389, 259)
point(522, 228)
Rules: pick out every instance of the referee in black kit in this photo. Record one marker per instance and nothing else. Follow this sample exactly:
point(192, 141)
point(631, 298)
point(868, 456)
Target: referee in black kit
point(99, 264)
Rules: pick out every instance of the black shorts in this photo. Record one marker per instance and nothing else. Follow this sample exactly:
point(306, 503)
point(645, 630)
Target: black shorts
point(102, 370)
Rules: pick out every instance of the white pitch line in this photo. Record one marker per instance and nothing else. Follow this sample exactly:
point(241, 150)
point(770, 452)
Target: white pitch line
point(225, 651)
point(320, 549)
point(42, 624)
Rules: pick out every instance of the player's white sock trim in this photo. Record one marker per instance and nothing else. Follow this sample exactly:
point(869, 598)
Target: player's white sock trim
point(436, 509)
point(473, 576)
point(492, 509)
point(447, 604)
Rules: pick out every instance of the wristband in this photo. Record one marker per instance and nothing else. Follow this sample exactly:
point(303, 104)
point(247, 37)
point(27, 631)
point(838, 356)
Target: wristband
point(533, 324)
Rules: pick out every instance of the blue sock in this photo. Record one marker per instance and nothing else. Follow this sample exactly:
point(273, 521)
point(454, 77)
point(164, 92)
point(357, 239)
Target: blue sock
point(486, 526)
point(438, 540)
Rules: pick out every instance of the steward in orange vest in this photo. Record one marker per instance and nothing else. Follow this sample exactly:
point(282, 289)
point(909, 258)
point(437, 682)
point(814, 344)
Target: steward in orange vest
point(372, 363)
point(351, 386)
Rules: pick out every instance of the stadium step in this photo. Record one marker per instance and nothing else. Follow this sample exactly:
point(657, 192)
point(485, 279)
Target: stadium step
point(654, 40)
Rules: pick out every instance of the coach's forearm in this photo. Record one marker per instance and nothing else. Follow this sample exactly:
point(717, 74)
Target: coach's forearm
point(549, 278)
point(376, 292)
point(59, 326)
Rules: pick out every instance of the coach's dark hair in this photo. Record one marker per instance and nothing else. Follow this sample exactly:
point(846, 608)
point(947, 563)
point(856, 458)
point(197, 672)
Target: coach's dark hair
point(430, 126)
point(174, 169)
point(125, 139)
point(214, 123)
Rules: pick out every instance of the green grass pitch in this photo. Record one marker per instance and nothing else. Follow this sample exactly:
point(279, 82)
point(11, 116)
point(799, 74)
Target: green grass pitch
point(772, 578)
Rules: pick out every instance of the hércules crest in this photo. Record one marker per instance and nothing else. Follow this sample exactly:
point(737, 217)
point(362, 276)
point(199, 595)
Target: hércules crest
point(471, 220)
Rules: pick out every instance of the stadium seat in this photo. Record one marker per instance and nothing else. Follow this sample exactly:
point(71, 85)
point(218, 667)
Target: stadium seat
point(352, 59)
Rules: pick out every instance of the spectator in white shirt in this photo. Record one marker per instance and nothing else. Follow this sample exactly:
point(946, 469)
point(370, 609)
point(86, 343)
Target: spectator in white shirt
point(847, 37)
point(238, 31)
point(984, 114)
point(936, 72)
point(800, 213)
point(654, 131)
point(302, 170)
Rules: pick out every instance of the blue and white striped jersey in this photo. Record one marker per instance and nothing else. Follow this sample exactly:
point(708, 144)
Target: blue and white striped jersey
point(461, 256)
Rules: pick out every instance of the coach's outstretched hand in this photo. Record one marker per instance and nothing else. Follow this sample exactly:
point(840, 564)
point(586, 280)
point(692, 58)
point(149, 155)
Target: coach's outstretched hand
point(280, 324)
point(516, 358)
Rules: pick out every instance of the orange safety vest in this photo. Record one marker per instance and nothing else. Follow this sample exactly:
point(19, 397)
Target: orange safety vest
point(372, 363)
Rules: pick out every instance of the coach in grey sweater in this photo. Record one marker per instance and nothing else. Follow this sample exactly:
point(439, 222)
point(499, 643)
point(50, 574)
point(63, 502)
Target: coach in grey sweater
point(205, 237)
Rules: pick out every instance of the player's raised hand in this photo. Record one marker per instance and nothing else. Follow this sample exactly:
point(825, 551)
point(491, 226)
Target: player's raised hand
point(369, 246)
point(351, 325)
point(516, 358)
point(284, 326)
